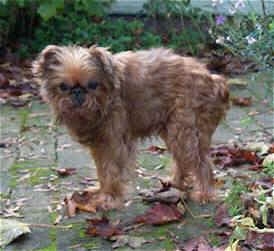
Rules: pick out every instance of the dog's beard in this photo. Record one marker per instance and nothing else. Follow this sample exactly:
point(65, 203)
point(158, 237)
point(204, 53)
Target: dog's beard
point(67, 113)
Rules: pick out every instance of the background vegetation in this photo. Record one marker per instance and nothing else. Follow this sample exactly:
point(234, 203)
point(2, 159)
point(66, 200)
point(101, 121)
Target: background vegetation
point(26, 26)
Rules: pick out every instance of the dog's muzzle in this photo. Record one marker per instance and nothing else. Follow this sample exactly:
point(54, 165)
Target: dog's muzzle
point(78, 95)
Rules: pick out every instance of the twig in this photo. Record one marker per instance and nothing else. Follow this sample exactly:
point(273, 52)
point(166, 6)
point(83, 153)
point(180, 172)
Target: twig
point(133, 227)
point(264, 230)
point(193, 215)
point(48, 226)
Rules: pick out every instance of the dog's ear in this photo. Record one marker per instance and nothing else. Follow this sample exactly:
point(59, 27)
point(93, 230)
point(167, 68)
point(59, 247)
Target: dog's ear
point(107, 63)
point(46, 61)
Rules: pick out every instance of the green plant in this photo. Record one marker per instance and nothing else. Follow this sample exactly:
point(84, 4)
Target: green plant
point(19, 18)
point(233, 199)
point(269, 169)
point(248, 36)
point(165, 8)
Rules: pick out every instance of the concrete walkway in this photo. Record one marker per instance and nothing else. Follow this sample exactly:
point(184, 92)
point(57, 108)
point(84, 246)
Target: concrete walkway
point(31, 189)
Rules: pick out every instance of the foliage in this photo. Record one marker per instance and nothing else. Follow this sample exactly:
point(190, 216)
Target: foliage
point(79, 30)
point(269, 169)
point(19, 18)
point(29, 25)
point(233, 199)
point(165, 8)
point(248, 36)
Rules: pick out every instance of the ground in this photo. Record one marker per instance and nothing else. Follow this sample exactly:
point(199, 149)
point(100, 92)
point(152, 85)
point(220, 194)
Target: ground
point(35, 192)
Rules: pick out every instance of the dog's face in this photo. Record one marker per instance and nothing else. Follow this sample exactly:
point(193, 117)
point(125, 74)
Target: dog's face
point(77, 82)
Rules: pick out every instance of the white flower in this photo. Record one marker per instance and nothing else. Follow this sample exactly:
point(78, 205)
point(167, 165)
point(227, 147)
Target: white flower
point(232, 11)
point(239, 4)
point(228, 38)
point(258, 27)
point(250, 39)
point(220, 40)
point(216, 2)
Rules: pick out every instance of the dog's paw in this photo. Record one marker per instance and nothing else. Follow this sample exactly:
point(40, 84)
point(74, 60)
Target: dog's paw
point(105, 202)
point(202, 197)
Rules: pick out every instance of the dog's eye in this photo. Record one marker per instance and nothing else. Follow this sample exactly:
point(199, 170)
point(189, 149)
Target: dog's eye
point(92, 85)
point(64, 87)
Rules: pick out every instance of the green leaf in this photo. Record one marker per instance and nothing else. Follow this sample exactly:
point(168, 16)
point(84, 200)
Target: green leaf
point(10, 230)
point(49, 9)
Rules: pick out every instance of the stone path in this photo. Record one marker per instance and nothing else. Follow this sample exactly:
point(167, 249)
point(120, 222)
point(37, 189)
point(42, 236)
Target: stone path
point(29, 183)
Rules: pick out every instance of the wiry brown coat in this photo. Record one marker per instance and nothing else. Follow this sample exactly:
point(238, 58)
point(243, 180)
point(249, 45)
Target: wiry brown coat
point(139, 94)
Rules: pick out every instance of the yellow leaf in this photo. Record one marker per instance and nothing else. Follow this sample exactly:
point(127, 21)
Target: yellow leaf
point(233, 246)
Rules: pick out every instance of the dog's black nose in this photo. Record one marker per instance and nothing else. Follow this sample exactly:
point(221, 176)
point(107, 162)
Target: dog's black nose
point(78, 95)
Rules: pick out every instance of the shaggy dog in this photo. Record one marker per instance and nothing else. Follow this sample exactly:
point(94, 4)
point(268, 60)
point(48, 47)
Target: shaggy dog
point(109, 101)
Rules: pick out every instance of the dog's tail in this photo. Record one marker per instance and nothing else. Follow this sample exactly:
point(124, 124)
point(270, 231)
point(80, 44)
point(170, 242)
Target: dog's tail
point(222, 89)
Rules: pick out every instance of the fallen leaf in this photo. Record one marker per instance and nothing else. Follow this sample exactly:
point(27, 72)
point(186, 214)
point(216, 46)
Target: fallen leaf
point(169, 196)
point(10, 230)
point(233, 246)
point(58, 219)
point(222, 217)
point(79, 201)
point(156, 149)
point(160, 214)
point(271, 149)
point(228, 64)
point(4, 82)
point(226, 156)
point(269, 160)
point(260, 241)
point(237, 82)
point(265, 182)
point(102, 227)
point(127, 240)
point(259, 147)
point(65, 171)
point(197, 244)
point(17, 102)
point(242, 101)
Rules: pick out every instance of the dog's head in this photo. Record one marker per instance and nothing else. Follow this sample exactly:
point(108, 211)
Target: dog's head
point(77, 81)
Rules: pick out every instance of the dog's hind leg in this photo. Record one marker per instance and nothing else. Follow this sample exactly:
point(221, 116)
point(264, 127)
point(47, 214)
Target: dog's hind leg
point(190, 154)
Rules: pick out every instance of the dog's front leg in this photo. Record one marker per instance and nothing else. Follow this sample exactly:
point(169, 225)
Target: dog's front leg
point(114, 163)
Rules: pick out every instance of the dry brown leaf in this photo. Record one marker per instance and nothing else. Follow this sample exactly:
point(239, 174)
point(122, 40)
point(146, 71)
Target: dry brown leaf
point(160, 214)
point(260, 241)
point(242, 101)
point(103, 228)
point(65, 171)
point(80, 202)
point(197, 244)
point(156, 149)
point(222, 217)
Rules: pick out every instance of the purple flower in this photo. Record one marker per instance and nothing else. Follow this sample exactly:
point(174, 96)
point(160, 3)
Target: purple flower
point(220, 20)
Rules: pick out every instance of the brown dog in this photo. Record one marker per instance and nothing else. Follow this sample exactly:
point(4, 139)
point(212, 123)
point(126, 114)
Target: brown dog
point(108, 101)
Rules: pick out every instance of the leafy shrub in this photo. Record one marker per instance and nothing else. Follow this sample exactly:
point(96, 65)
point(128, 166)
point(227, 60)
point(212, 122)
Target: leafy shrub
point(249, 36)
point(19, 18)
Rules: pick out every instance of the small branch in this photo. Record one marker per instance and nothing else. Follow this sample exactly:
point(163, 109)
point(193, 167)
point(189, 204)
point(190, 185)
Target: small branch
point(48, 226)
point(133, 227)
point(193, 215)
point(264, 230)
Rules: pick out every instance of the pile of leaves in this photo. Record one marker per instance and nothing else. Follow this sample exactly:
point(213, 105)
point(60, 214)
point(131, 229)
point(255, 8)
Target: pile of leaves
point(17, 87)
point(248, 209)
